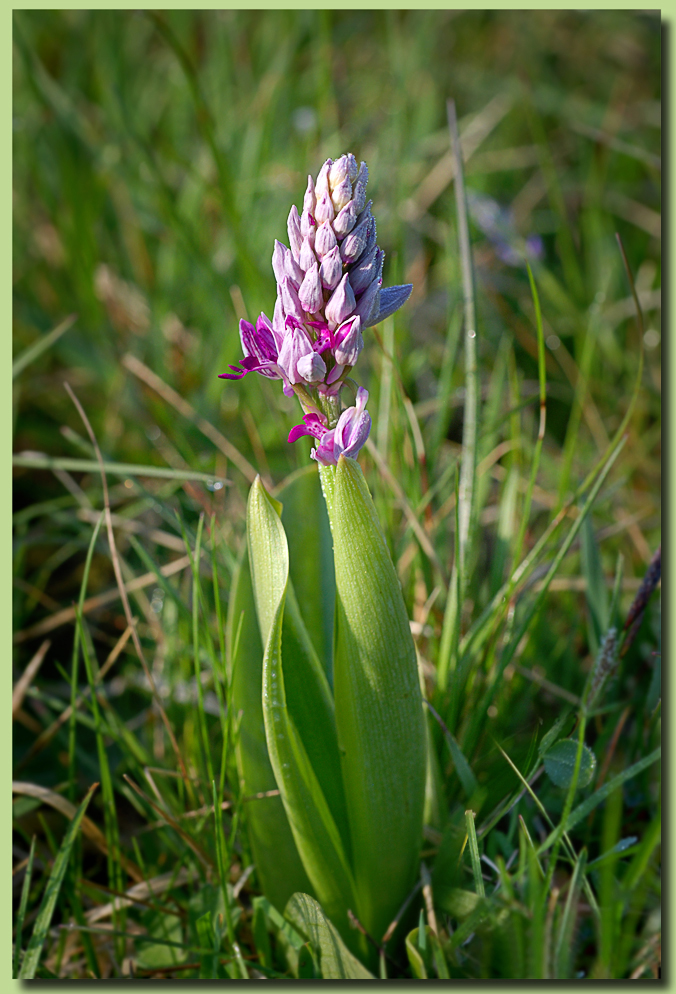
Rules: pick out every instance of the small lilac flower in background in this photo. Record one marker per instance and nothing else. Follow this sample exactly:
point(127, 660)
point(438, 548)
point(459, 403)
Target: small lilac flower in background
point(329, 289)
point(497, 224)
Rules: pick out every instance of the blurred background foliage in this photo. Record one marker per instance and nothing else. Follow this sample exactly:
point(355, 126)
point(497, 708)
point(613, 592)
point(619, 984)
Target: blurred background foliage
point(156, 156)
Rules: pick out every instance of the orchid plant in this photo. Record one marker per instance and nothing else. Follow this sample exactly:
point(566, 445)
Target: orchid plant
point(323, 664)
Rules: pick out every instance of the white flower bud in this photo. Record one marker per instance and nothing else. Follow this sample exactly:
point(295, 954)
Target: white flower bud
point(307, 256)
point(341, 304)
point(312, 367)
point(325, 239)
point(293, 228)
point(324, 210)
point(331, 269)
point(310, 293)
point(309, 200)
point(322, 184)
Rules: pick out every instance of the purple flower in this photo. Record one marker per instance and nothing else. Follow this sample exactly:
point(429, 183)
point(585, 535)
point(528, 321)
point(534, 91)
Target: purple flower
point(329, 288)
point(260, 351)
point(346, 439)
point(349, 341)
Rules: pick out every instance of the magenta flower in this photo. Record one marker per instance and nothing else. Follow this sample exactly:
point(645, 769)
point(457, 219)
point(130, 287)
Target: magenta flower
point(329, 288)
point(260, 351)
point(347, 438)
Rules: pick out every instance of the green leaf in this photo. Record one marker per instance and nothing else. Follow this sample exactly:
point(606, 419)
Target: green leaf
point(50, 896)
point(378, 703)
point(306, 524)
point(336, 962)
point(560, 763)
point(582, 810)
point(278, 865)
point(300, 725)
point(550, 737)
point(419, 952)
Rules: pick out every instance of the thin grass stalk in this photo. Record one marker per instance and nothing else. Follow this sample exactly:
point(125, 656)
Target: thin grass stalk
point(542, 380)
point(222, 858)
point(196, 601)
point(111, 828)
point(452, 616)
point(564, 940)
point(568, 805)
point(468, 465)
point(572, 431)
point(72, 724)
point(21, 914)
point(474, 853)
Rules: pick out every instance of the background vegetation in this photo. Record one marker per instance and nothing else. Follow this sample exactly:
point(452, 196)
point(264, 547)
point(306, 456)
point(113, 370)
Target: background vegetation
point(155, 160)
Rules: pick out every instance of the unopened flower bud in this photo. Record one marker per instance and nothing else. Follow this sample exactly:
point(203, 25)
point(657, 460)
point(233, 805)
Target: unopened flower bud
point(312, 367)
point(284, 264)
point(368, 302)
point(325, 239)
point(292, 306)
point(324, 210)
point(342, 194)
point(307, 224)
point(359, 191)
point(338, 172)
point(310, 293)
point(363, 271)
point(350, 342)
point(293, 228)
point(331, 269)
point(341, 304)
point(346, 219)
point(322, 184)
point(352, 167)
point(307, 256)
point(354, 244)
point(309, 200)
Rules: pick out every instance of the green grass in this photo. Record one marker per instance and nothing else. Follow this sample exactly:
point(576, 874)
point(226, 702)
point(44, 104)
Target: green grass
point(155, 160)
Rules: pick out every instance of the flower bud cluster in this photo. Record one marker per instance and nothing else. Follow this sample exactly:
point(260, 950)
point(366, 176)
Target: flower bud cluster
point(329, 288)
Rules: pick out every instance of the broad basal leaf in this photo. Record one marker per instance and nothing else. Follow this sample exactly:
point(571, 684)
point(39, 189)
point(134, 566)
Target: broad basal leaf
point(299, 721)
point(278, 865)
point(378, 703)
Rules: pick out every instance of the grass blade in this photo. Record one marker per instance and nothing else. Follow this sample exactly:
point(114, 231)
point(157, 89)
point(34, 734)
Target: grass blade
point(39, 461)
point(43, 343)
point(50, 897)
point(23, 904)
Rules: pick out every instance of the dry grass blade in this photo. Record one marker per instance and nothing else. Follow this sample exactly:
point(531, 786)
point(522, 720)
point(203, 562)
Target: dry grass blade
point(167, 393)
point(23, 683)
point(141, 892)
point(67, 614)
